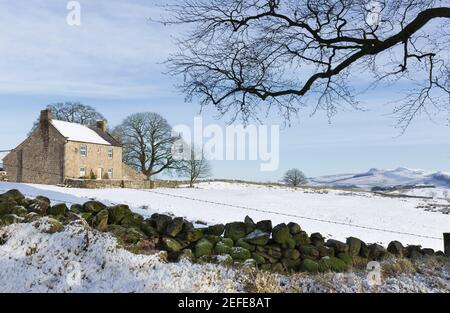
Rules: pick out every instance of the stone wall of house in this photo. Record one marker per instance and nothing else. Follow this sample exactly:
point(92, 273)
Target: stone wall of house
point(39, 159)
point(97, 160)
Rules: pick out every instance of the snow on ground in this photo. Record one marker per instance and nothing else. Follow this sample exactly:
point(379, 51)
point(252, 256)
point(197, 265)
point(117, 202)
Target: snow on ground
point(80, 260)
point(225, 202)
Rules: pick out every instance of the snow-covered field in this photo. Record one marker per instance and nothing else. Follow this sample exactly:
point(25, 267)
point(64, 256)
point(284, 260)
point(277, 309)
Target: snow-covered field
point(334, 213)
point(80, 260)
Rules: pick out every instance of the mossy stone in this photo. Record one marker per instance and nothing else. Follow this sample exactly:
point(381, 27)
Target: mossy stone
point(346, 258)
point(171, 244)
point(148, 229)
point(291, 265)
point(117, 213)
point(54, 226)
point(323, 265)
point(281, 234)
point(227, 241)
point(310, 266)
point(278, 268)
point(93, 207)
point(354, 246)
point(175, 227)
point(161, 222)
point(289, 244)
point(309, 252)
point(301, 239)
point(325, 251)
point(19, 211)
point(132, 220)
point(39, 205)
point(258, 257)
point(7, 206)
point(317, 239)
point(203, 248)
point(76, 208)
point(9, 219)
point(215, 230)
point(249, 224)
point(265, 226)
point(235, 231)
point(221, 248)
point(225, 260)
point(338, 246)
point(15, 195)
point(258, 238)
point(292, 254)
point(294, 228)
point(100, 221)
point(240, 254)
point(244, 244)
point(58, 209)
point(337, 265)
point(193, 235)
point(396, 248)
point(87, 217)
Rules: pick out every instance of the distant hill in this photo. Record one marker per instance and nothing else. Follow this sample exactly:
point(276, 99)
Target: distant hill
point(384, 178)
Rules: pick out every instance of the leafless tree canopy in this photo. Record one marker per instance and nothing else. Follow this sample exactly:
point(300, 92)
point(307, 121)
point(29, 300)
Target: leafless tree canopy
point(294, 177)
point(195, 166)
point(147, 143)
point(246, 56)
point(74, 112)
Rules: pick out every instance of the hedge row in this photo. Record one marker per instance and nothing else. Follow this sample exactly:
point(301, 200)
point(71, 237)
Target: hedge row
point(282, 248)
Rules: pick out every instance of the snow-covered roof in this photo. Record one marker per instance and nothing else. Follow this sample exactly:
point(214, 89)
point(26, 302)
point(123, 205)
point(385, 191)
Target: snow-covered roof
point(78, 132)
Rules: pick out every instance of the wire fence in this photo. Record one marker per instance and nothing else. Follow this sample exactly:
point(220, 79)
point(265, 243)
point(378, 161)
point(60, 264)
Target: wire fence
point(267, 212)
point(296, 216)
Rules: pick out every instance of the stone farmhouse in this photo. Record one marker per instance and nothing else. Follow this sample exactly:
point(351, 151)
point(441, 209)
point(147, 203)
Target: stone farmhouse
point(59, 152)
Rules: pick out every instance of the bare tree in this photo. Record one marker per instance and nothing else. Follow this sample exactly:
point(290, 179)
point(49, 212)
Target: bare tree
point(194, 166)
point(294, 177)
point(74, 112)
point(246, 56)
point(147, 143)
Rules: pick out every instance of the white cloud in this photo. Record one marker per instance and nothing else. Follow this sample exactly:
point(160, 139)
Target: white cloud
point(115, 52)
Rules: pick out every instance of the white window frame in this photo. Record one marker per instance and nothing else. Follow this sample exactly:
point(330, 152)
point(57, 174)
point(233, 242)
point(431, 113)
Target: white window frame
point(110, 153)
point(82, 169)
point(110, 173)
point(83, 148)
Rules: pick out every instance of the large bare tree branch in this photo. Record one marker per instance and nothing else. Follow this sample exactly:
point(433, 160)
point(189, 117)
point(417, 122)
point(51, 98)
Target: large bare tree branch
point(243, 56)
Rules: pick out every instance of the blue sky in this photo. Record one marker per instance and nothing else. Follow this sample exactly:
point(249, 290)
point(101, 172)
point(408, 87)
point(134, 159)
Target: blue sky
point(113, 62)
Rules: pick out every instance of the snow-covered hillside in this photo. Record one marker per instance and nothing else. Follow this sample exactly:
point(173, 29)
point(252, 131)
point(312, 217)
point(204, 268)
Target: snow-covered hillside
point(384, 178)
point(334, 213)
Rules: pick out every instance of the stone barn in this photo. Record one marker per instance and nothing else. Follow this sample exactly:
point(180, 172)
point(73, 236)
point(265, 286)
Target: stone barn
point(58, 151)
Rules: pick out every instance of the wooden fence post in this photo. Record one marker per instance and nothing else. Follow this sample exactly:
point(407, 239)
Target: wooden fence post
point(447, 244)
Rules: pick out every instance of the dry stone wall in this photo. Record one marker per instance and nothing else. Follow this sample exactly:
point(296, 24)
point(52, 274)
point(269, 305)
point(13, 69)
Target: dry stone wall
point(284, 248)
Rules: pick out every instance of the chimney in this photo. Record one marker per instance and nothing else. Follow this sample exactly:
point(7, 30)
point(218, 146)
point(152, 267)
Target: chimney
point(46, 118)
point(102, 125)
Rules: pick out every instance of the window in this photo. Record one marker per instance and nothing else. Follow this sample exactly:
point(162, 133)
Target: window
point(110, 153)
point(110, 173)
point(82, 172)
point(83, 150)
